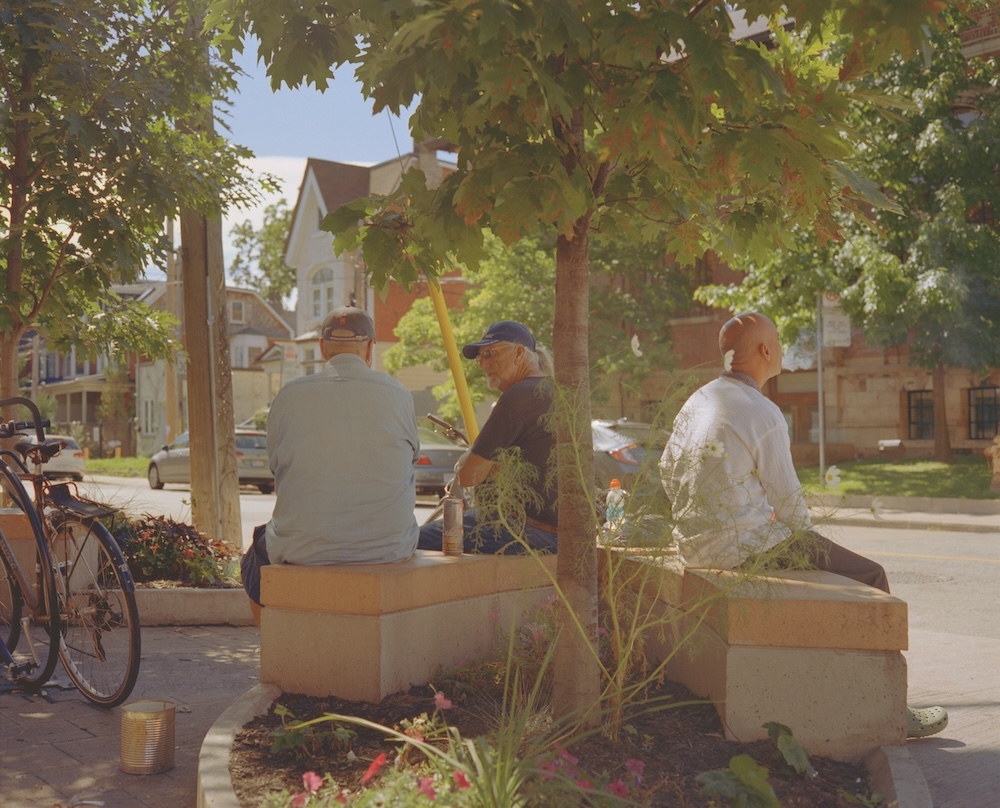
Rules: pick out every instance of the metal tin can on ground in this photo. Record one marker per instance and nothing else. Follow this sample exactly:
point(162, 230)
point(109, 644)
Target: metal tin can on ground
point(453, 533)
point(147, 744)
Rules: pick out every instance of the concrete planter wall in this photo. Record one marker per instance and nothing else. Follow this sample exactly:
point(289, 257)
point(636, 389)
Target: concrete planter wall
point(185, 606)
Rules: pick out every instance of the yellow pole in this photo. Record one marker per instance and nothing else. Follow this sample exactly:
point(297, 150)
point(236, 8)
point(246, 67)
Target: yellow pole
point(454, 361)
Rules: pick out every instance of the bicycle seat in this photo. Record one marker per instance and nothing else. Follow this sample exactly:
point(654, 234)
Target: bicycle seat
point(48, 449)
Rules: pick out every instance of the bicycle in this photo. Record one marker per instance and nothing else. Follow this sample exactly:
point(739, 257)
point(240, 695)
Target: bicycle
point(453, 488)
point(80, 603)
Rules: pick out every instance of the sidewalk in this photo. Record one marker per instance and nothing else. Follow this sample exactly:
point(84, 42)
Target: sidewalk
point(57, 751)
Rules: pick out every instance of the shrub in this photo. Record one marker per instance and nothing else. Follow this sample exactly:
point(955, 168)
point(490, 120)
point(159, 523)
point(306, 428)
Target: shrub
point(158, 548)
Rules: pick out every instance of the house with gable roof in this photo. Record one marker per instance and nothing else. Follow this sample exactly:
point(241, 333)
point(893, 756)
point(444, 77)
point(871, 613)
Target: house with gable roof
point(326, 279)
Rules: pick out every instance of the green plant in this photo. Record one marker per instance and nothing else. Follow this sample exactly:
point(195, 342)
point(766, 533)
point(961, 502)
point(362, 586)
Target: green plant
point(743, 784)
point(158, 548)
point(791, 750)
point(305, 737)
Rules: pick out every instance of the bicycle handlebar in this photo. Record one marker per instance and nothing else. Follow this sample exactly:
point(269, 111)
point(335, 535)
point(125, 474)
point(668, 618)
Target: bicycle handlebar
point(450, 431)
point(11, 428)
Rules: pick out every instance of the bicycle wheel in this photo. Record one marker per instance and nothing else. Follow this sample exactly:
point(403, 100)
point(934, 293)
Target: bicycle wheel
point(100, 641)
point(38, 628)
point(10, 606)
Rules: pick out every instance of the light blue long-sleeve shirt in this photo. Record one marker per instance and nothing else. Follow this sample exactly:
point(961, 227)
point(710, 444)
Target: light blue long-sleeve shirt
point(341, 444)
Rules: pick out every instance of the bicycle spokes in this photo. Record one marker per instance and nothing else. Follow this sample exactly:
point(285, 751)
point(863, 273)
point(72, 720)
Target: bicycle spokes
point(100, 626)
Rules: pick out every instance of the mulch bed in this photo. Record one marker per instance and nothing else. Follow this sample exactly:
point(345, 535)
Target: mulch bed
point(676, 744)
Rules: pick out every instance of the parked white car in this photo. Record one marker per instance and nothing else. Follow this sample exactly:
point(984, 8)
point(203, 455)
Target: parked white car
point(68, 464)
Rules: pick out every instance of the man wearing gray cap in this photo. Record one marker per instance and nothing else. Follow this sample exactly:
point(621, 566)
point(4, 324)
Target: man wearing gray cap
point(341, 443)
point(510, 460)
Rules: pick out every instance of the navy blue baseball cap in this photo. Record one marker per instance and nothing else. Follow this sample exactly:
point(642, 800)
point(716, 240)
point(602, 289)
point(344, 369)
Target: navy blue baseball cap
point(504, 331)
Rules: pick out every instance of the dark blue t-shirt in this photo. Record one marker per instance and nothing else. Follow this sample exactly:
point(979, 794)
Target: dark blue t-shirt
point(521, 419)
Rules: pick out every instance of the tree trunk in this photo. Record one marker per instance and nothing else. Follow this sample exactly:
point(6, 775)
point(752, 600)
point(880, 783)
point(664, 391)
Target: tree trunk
point(576, 686)
point(942, 442)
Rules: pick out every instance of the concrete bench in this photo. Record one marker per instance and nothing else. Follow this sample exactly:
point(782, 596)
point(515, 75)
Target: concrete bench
point(815, 651)
point(361, 632)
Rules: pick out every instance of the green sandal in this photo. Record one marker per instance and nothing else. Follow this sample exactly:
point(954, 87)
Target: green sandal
point(924, 721)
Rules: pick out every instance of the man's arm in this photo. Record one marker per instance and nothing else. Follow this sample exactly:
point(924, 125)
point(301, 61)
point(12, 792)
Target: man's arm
point(472, 469)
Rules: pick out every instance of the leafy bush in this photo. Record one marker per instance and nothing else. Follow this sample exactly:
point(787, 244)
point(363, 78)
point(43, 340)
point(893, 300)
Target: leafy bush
point(159, 549)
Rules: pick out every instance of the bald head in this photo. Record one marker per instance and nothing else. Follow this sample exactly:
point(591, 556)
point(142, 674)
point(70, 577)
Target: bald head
point(753, 339)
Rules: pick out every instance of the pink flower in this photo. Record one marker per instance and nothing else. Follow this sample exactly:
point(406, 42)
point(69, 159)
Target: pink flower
point(618, 788)
point(568, 757)
point(461, 781)
point(583, 783)
point(547, 768)
point(376, 764)
point(300, 800)
point(426, 787)
point(441, 701)
point(312, 782)
point(635, 768)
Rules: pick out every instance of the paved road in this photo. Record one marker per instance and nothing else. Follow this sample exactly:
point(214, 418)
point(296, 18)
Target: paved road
point(135, 496)
point(949, 581)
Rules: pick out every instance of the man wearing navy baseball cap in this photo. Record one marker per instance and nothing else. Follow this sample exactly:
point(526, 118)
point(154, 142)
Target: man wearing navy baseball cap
point(517, 433)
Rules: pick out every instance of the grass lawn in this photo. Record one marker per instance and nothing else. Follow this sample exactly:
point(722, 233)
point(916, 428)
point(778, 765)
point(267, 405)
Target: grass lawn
point(118, 466)
point(968, 478)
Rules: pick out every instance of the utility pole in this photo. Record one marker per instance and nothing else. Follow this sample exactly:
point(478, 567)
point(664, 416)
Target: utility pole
point(215, 494)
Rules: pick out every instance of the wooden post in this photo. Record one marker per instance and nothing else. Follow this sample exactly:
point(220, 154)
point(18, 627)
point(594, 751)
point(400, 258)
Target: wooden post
point(215, 496)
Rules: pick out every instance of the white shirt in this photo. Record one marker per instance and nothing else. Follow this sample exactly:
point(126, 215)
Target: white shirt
point(341, 444)
point(728, 472)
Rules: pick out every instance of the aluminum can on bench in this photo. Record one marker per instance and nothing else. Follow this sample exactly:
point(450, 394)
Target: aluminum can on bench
point(453, 533)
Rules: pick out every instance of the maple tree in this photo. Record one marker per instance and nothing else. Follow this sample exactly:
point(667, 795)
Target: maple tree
point(921, 273)
point(595, 119)
point(92, 162)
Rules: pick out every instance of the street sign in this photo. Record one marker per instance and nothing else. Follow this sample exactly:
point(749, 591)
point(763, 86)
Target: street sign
point(836, 328)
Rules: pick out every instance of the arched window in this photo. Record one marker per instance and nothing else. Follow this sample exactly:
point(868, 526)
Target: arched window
point(321, 292)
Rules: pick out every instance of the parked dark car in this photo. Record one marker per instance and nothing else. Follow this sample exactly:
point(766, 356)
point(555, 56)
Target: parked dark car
point(436, 465)
point(172, 464)
point(627, 450)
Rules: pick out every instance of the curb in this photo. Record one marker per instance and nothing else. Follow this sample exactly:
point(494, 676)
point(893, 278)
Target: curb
point(940, 505)
point(215, 785)
point(895, 776)
point(911, 524)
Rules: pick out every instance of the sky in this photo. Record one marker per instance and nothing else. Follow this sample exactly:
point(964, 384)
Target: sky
point(282, 129)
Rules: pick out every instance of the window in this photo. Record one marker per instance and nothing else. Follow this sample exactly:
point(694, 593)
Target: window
point(321, 292)
point(920, 415)
point(149, 410)
point(239, 359)
point(984, 413)
point(309, 361)
point(236, 311)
